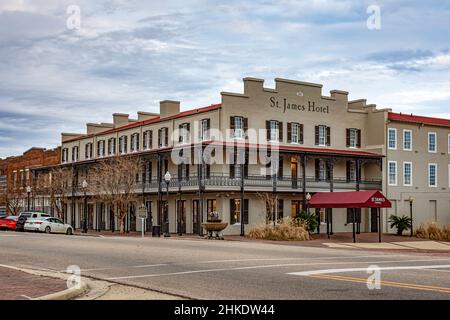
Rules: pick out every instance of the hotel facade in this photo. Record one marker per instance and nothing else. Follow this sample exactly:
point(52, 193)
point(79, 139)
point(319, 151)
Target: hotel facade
point(286, 142)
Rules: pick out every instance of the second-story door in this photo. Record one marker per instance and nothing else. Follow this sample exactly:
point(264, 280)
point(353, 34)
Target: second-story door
point(294, 172)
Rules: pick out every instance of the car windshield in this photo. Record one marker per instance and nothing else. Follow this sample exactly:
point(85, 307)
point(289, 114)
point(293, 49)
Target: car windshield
point(25, 214)
point(12, 218)
point(45, 215)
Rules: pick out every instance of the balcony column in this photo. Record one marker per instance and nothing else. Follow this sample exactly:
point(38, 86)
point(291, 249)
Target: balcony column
point(330, 210)
point(358, 182)
point(159, 180)
point(200, 188)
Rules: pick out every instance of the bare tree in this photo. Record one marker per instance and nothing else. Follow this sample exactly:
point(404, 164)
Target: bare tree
point(113, 181)
point(271, 202)
point(59, 188)
point(14, 201)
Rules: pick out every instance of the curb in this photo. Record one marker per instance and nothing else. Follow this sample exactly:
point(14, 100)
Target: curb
point(67, 294)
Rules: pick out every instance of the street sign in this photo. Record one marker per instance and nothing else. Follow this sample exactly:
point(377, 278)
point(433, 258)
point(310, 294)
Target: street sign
point(142, 212)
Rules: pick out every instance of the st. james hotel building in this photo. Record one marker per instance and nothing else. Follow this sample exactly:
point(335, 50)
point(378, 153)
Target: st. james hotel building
point(322, 143)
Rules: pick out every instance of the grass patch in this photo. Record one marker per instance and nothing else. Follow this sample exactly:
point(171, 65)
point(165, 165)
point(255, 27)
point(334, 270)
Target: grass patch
point(285, 230)
point(433, 231)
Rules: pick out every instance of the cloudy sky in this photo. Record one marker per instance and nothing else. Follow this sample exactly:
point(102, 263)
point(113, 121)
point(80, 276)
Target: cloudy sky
point(128, 55)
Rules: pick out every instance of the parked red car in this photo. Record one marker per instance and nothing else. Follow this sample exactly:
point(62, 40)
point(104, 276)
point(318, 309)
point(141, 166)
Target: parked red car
point(9, 222)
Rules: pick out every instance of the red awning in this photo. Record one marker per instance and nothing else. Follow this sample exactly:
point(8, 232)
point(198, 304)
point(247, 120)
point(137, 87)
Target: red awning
point(352, 199)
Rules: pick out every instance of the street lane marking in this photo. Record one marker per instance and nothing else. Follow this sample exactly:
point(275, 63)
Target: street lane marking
point(385, 283)
point(266, 266)
point(328, 271)
point(244, 260)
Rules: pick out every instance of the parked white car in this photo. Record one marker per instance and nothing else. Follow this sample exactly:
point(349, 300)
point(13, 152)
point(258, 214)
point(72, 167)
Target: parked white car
point(48, 225)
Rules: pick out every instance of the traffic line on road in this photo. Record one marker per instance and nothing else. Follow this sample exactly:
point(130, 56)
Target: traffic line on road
point(266, 266)
point(383, 283)
point(328, 271)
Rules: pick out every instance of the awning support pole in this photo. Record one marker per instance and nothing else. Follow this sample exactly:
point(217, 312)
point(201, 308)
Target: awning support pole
point(354, 224)
point(379, 224)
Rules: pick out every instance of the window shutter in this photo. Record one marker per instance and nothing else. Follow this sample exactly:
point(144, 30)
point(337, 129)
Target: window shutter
point(166, 142)
point(347, 137)
point(280, 208)
point(245, 212)
point(98, 148)
point(328, 136)
point(144, 140)
point(187, 171)
point(268, 129)
point(126, 144)
point(317, 168)
point(90, 150)
point(300, 130)
point(232, 208)
point(289, 132)
point(179, 171)
point(245, 127)
point(133, 138)
point(317, 135)
point(232, 171)
point(114, 145)
point(208, 171)
point(328, 170)
point(232, 125)
point(347, 168)
point(280, 131)
point(358, 143)
point(159, 138)
point(180, 133)
point(188, 133)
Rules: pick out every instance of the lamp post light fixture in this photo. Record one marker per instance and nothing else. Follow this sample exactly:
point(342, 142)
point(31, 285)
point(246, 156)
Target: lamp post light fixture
point(28, 197)
point(167, 178)
point(411, 200)
point(308, 198)
point(85, 186)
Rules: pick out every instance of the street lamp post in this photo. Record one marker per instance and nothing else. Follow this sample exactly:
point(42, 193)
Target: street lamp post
point(411, 200)
point(28, 197)
point(167, 178)
point(85, 186)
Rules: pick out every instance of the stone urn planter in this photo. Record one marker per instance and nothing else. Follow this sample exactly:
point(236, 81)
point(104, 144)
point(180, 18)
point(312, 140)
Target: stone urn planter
point(214, 226)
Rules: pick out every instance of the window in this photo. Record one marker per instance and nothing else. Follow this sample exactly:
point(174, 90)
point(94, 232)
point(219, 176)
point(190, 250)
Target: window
point(75, 154)
point(123, 144)
point(322, 170)
point(238, 127)
point(407, 140)
point(211, 205)
point(204, 129)
point(295, 132)
point(135, 142)
point(323, 136)
point(392, 138)
point(15, 179)
point(351, 170)
point(148, 172)
point(237, 215)
point(353, 138)
point(147, 141)
point(392, 173)
point(88, 151)
point(407, 173)
point(432, 142)
point(448, 143)
point(65, 155)
point(163, 137)
point(350, 215)
point(449, 175)
point(274, 128)
point(112, 146)
point(101, 148)
point(432, 175)
point(184, 130)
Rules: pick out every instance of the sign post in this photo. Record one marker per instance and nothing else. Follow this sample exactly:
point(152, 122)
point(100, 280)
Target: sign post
point(142, 213)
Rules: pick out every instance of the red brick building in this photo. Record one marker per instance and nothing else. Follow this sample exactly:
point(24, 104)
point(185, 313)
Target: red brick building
point(16, 175)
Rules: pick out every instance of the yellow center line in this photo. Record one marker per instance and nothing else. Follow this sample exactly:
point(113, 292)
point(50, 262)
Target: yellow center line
point(386, 283)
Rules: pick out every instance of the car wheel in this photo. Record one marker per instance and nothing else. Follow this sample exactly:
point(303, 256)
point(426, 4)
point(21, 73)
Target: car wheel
point(47, 230)
point(69, 231)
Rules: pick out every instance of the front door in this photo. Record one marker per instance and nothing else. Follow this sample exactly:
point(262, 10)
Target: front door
point(195, 216)
point(294, 172)
point(295, 208)
point(181, 216)
point(373, 220)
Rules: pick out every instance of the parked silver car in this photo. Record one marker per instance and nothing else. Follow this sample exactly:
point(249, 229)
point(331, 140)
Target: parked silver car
point(48, 225)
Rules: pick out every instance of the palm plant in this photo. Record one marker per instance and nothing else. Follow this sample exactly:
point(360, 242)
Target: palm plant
point(400, 223)
point(308, 219)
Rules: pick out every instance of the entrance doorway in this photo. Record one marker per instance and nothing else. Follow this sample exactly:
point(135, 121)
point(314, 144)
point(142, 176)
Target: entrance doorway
point(373, 220)
point(295, 208)
point(195, 216)
point(181, 216)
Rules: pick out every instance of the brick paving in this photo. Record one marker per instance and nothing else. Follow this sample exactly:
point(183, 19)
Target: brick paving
point(18, 285)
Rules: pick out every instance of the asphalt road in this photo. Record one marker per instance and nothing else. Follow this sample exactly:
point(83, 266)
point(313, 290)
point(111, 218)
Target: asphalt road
point(203, 269)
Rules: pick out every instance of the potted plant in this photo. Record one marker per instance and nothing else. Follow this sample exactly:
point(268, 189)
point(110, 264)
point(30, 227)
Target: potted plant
point(400, 223)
